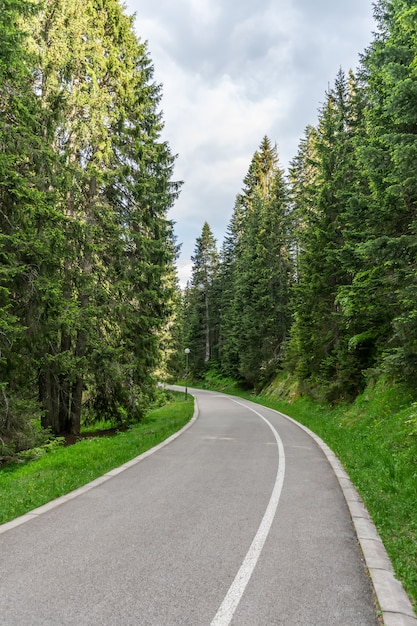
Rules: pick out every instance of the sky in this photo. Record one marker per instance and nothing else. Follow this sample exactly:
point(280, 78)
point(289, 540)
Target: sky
point(233, 71)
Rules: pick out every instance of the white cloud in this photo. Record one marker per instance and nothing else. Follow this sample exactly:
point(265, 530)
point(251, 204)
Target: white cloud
point(215, 129)
point(204, 12)
point(184, 267)
point(233, 72)
point(217, 114)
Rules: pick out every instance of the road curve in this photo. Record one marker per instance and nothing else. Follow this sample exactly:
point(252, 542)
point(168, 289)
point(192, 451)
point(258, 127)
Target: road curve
point(240, 520)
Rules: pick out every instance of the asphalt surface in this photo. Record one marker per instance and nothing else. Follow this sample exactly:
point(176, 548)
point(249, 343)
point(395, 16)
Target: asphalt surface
point(240, 520)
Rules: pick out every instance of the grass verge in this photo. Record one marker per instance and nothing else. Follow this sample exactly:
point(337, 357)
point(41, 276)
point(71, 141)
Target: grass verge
point(375, 438)
point(24, 487)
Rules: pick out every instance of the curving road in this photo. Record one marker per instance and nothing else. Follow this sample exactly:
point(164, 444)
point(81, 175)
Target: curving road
point(240, 520)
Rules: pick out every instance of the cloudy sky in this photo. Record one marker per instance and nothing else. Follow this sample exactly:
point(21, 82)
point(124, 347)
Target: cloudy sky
point(233, 71)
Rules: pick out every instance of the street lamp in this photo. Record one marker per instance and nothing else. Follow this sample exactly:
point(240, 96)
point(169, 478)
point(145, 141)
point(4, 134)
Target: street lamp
point(187, 352)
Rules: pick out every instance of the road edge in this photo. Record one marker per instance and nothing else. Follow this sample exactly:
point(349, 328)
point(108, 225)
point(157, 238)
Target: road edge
point(44, 508)
point(394, 603)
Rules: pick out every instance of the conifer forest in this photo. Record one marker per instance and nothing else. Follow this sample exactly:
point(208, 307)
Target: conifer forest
point(317, 273)
point(87, 252)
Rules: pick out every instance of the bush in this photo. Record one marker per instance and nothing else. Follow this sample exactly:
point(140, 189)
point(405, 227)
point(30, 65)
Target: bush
point(20, 425)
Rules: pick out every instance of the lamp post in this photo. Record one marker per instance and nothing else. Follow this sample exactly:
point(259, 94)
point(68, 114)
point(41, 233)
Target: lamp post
point(187, 352)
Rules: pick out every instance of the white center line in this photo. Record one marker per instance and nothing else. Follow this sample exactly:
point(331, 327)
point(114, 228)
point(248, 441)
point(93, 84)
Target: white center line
point(230, 603)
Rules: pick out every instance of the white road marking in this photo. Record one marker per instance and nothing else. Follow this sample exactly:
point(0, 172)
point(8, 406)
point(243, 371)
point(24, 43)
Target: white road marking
point(231, 601)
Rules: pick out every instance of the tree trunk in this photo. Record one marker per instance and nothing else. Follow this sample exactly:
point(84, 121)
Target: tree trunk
point(49, 398)
point(64, 389)
point(207, 354)
point(76, 405)
point(81, 346)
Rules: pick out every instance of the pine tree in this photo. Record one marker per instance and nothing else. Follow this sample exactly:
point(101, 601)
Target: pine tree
point(200, 330)
point(100, 302)
point(27, 219)
point(257, 270)
point(228, 312)
point(325, 180)
point(388, 156)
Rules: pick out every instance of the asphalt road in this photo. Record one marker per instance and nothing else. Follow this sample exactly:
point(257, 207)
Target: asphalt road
point(240, 520)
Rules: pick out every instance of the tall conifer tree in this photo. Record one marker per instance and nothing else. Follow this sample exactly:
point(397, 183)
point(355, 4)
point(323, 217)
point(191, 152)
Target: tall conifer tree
point(228, 314)
point(28, 222)
point(201, 330)
point(325, 181)
point(95, 247)
point(389, 157)
point(256, 321)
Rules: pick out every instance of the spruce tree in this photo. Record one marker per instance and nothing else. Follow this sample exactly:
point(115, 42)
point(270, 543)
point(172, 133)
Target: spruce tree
point(325, 181)
point(200, 327)
point(104, 293)
point(27, 224)
point(388, 156)
point(228, 312)
point(255, 322)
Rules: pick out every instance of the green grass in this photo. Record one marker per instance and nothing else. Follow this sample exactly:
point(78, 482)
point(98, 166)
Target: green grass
point(375, 438)
point(24, 487)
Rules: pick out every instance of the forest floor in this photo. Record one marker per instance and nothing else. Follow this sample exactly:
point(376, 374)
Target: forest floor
point(70, 440)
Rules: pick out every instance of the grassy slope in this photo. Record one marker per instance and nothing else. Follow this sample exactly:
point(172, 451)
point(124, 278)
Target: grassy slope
point(376, 440)
point(25, 487)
